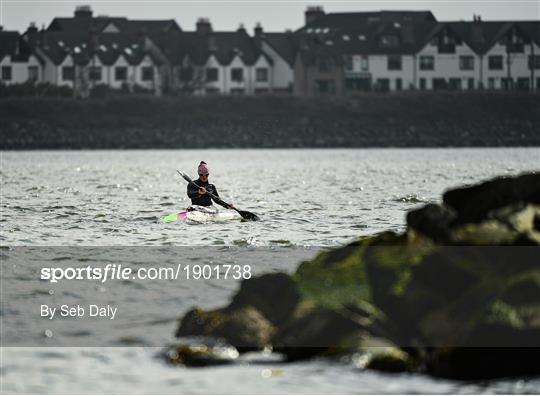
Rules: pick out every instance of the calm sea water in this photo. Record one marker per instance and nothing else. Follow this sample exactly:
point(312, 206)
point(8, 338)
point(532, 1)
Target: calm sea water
point(306, 199)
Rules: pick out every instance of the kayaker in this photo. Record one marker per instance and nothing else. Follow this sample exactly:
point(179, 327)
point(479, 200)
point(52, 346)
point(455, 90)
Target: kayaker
point(199, 195)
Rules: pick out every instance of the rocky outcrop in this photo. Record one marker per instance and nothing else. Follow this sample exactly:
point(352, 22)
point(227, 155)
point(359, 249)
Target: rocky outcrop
point(456, 295)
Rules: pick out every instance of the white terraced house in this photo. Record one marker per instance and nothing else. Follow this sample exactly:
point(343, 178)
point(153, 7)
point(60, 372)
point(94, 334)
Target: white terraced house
point(18, 65)
point(81, 61)
point(332, 54)
point(228, 63)
point(345, 53)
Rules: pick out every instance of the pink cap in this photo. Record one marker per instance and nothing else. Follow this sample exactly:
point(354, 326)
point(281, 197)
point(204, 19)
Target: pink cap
point(203, 168)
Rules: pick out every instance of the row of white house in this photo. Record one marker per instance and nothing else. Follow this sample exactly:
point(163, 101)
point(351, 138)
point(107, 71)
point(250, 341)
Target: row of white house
point(429, 69)
point(333, 54)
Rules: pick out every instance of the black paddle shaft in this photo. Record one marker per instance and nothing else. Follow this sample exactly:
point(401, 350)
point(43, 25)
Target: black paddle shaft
point(244, 213)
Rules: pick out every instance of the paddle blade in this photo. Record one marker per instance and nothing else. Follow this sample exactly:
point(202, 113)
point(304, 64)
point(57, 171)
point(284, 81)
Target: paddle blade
point(170, 218)
point(174, 217)
point(248, 215)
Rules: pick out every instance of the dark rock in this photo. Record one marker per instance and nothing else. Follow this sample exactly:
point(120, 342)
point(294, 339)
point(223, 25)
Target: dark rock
point(200, 352)
point(433, 220)
point(389, 360)
point(473, 203)
point(273, 295)
point(314, 332)
point(245, 328)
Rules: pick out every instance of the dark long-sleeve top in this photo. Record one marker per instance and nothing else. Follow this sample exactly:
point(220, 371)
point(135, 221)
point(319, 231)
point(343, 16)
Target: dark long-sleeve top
point(202, 200)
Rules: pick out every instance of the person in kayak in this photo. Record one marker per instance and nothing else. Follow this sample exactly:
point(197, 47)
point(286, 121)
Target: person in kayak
point(199, 195)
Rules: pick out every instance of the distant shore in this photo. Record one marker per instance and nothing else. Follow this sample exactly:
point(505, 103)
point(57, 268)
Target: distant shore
point(408, 119)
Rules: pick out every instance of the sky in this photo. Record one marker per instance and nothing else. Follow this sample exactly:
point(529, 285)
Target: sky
point(275, 15)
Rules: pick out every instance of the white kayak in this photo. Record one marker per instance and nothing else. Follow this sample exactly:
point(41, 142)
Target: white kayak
point(203, 214)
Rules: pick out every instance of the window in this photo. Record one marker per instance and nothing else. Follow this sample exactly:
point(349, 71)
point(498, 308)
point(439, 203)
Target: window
point(534, 62)
point(399, 84)
point(211, 74)
point(523, 83)
point(358, 84)
point(33, 73)
point(422, 83)
point(237, 91)
point(349, 66)
point(261, 74)
point(427, 62)
point(454, 83)
point(68, 73)
point(491, 83)
point(507, 83)
point(325, 86)
point(364, 63)
point(466, 62)
point(470, 83)
point(6, 73)
point(147, 73)
point(383, 84)
point(538, 84)
point(120, 73)
point(389, 41)
point(495, 62)
point(394, 62)
point(95, 73)
point(439, 83)
point(237, 74)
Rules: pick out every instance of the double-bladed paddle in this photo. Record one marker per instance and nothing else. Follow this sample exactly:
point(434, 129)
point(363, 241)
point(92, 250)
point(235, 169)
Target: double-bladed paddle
point(244, 213)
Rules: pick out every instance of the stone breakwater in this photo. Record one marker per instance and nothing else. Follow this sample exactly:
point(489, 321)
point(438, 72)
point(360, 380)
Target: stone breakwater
point(408, 119)
point(457, 295)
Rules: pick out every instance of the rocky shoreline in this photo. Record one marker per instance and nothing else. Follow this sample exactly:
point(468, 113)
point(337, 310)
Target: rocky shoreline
point(407, 119)
point(456, 296)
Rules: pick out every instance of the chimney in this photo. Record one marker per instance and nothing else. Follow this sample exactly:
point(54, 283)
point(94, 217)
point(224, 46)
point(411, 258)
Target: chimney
point(83, 11)
point(31, 34)
point(258, 35)
point(258, 30)
point(1, 28)
point(477, 32)
point(241, 28)
point(312, 13)
point(204, 26)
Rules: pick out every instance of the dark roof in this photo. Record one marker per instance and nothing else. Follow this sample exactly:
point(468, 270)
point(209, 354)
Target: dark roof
point(532, 28)
point(200, 46)
point(372, 38)
point(124, 25)
point(12, 44)
point(409, 37)
point(107, 46)
point(354, 19)
point(285, 44)
point(481, 36)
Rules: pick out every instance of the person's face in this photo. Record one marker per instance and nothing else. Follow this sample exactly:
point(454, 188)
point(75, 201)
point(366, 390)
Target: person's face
point(203, 177)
